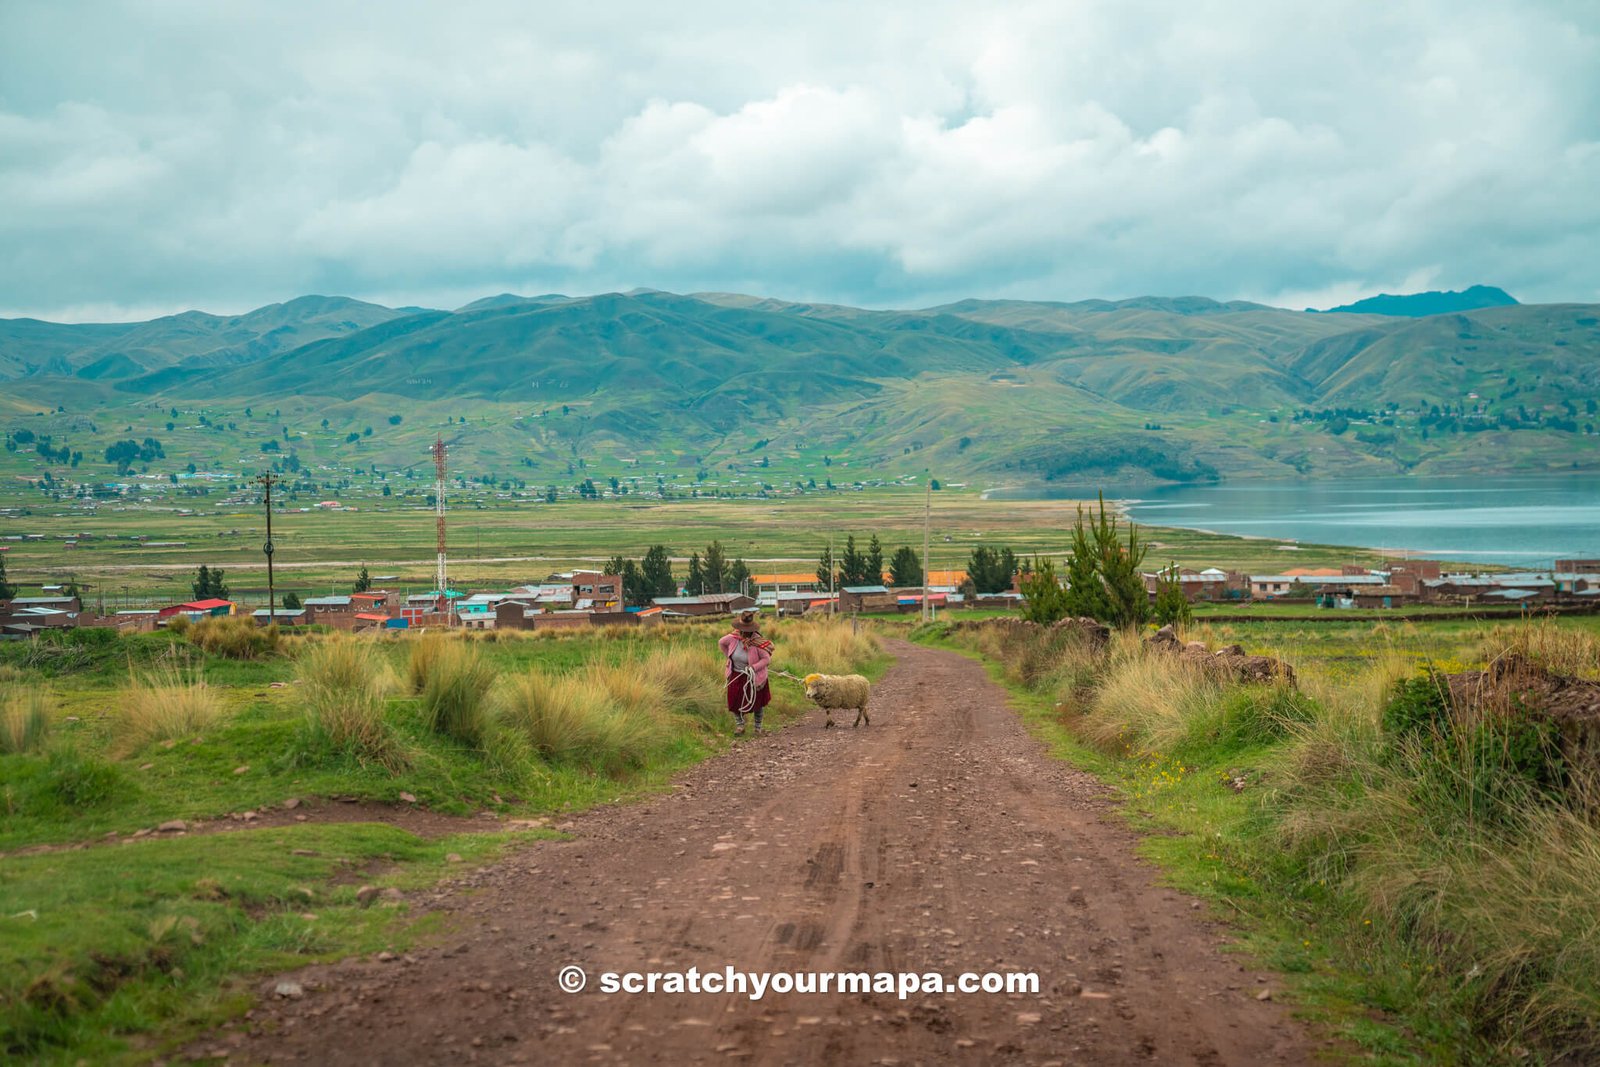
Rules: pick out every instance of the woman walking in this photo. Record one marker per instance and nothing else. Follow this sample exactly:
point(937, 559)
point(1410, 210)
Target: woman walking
point(747, 654)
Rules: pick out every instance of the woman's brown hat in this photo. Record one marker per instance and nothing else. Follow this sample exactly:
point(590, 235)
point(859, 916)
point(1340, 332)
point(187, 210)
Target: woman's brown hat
point(746, 623)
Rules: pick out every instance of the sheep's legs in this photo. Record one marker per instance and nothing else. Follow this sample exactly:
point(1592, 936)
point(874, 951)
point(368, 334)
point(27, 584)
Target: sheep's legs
point(861, 713)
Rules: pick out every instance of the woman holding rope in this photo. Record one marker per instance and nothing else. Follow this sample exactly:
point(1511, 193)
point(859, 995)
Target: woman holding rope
point(747, 654)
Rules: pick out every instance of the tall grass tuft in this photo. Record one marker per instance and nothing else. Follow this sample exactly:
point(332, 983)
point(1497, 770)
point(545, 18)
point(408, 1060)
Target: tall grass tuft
point(425, 652)
point(345, 685)
point(1149, 703)
point(24, 719)
point(454, 691)
point(164, 705)
point(234, 637)
point(690, 679)
point(592, 719)
point(1560, 650)
point(825, 646)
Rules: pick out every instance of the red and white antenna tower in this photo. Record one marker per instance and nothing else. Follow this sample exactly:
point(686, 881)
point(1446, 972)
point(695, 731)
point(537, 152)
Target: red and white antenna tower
point(438, 506)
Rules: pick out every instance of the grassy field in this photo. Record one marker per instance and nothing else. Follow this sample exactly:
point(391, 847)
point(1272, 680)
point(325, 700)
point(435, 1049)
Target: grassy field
point(122, 939)
point(509, 542)
point(1427, 889)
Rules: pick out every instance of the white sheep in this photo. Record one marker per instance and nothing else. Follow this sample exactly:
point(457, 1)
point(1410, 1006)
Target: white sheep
point(831, 691)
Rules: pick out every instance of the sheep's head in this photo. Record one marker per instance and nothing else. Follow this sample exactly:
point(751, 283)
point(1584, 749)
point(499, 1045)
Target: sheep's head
point(810, 682)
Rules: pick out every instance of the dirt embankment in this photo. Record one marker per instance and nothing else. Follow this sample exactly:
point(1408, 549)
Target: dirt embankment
point(940, 839)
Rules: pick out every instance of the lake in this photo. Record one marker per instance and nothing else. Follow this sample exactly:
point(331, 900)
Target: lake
point(1519, 520)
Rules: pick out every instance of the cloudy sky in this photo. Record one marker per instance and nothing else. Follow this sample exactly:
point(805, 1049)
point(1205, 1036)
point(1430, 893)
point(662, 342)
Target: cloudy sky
point(157, 156)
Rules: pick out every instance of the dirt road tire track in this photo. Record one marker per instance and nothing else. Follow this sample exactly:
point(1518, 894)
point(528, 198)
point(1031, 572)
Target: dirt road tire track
point(942, 838)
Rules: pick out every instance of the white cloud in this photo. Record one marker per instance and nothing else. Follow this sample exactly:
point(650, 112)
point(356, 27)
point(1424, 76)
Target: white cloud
point(230, 155)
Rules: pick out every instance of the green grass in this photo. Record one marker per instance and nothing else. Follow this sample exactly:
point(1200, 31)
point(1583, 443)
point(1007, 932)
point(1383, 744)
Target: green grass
point(152, 936)
point(1409, 918)
point(118, 950)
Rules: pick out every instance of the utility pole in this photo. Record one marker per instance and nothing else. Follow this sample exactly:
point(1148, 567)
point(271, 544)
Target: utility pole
point(267, 481)
point(927, 526)
point(833, 598)
point(438, 504)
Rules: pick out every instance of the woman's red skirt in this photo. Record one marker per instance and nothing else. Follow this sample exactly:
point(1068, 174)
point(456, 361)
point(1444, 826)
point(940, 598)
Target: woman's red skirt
point(736, 695)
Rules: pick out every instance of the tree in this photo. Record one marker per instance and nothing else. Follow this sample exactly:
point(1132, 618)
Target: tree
point(875, 560)
point(853, 565)
point(1119, 565)
point(634, 593)
point(1045, 601)
point(991, 571)
point(905, 569)
point(696, 583)
point(363, 580)
point(291, 601)
point(208, 583)
point(714, 569)
point(7, 590)
point(827, 569)
point(738, 575)
point(1171, 606)
point(655, 571)
point(1086, 593)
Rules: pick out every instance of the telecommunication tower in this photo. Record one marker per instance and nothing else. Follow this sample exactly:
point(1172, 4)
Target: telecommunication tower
point(438, 506)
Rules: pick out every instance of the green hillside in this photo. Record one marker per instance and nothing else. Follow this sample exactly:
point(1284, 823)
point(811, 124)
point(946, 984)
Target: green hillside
point(193, 338)
point(744, 394)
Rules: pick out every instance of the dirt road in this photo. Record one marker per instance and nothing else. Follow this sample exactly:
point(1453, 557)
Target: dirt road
point(940, 839)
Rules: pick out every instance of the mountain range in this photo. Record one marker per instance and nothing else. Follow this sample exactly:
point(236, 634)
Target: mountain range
point(1152, 387)
point(1418, 305)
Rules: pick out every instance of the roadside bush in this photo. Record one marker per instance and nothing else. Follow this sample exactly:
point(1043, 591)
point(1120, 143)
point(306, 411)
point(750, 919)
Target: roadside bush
point(179, 624)
point(233, 637)
point(1483, 762)
point(24, 719)
point(1418, 707)
point(345, 685)
point(1248, 715)
point(454, 692)
point(164, 705)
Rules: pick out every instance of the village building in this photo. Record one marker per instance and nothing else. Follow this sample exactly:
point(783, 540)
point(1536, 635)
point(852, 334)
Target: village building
point(859, 598)
point(708, 605)
point(198, 609)
point(1475, 588)
point(281, 616)
point(25, 621)
point(596, 591)
point(766, 585)
point(1211, 584)
point(56, 603)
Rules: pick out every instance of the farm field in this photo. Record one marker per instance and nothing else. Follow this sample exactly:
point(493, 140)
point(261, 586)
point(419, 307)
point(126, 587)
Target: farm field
point(497, 544)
